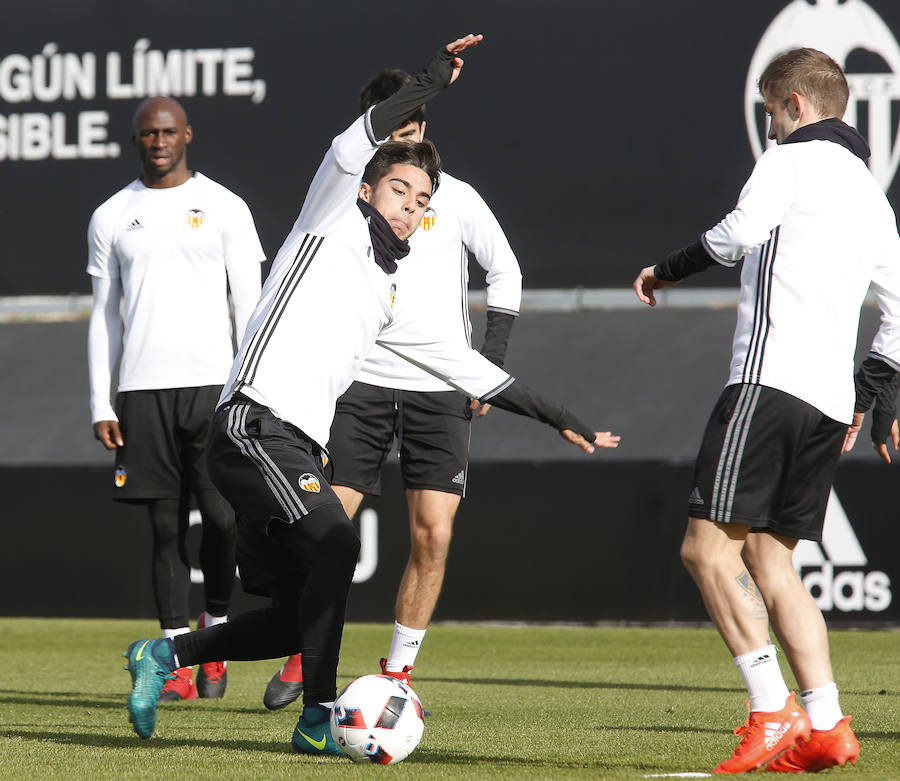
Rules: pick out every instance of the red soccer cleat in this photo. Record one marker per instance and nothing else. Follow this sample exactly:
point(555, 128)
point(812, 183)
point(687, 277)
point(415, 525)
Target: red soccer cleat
point(826, 748)
point(765, 735)
point(212, 677)
point(180, 687)
point(286, 685)
point(402, 675)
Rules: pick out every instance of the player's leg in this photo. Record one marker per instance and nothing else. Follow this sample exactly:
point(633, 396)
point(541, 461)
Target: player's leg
point(195, 407)
point(739, 483)
point(434, 450)
point(361, 437)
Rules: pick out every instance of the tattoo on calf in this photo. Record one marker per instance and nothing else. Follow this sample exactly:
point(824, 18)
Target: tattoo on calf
point(751, 593)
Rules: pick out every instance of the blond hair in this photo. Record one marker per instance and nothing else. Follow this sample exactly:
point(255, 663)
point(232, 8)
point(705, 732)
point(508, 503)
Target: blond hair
point(810, 73)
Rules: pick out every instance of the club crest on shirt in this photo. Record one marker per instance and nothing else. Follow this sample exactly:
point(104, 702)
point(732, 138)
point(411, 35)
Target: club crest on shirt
point(393, 294)
point(324, 457)
point(195, 217)
point(428, 219)
point(121, 476)
point(309, 482)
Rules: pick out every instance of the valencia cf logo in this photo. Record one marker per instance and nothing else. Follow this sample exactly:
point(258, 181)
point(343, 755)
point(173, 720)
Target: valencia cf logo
point(195, 217)
point(121, 476)
point(428, 219)
point(309, 482)
point(324, 457)
point(393, 294)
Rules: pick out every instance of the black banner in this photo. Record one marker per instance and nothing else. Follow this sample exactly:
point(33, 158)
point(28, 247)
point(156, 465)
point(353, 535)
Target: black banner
point(602, 134)
point(552, 542)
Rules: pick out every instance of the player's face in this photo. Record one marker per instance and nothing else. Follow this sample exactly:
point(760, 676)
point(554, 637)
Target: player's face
point(781, 121)
point(411, 131)
point(401, 197)
point(161, 136)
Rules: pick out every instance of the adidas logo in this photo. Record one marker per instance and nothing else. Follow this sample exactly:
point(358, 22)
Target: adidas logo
point(135, 224)
point(695, 497)
point(411, 644)
point(774, 731)
point(460, 479)
point(851, 588)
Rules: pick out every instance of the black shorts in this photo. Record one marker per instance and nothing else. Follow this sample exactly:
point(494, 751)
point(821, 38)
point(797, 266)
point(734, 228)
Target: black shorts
point(432, 431)
point(768, 461)
point(269, 471)
point(164, 433)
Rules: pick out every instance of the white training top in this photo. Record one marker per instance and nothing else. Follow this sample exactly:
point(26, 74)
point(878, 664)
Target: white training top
point(434, 278)
point(172, 252)
point(325, 303)
point(816, 229)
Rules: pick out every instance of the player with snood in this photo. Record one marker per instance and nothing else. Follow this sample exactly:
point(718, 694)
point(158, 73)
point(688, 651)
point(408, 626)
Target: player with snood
point(331, 295)
point(815, 231)
point(394, 399)
point(163, 253)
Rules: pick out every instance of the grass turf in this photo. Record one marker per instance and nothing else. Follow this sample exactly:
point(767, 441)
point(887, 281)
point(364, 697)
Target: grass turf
point(508, 703)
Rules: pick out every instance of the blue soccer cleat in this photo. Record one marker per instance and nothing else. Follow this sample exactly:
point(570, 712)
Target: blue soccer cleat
point(151, 663)
point(312, 735)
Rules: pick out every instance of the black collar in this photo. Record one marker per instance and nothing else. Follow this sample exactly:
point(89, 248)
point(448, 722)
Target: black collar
point(387, 246)
point(832, 130)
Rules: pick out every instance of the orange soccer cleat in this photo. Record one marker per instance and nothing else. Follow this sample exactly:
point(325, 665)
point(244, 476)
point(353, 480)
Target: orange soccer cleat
point(180, 686)
point(765, 735)
point(826, 748)
point(286, 685)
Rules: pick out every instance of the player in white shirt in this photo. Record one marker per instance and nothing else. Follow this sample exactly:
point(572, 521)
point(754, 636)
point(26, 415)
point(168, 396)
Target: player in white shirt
point(815, 231)
point(331, 295)
point(392, 397)
point(162, 254)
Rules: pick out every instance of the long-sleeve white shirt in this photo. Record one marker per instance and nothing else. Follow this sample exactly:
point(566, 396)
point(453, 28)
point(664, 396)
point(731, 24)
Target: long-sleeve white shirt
point(815, 229)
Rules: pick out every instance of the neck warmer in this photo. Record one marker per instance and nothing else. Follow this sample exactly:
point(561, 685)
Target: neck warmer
point(388, 247)
point(832, 130)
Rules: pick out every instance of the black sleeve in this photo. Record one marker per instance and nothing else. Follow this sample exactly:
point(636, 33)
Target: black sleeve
point(523, 401)
point(684, 262)
point(496, 336)
point(392, 112)
point(885, 411)
point(874, 378)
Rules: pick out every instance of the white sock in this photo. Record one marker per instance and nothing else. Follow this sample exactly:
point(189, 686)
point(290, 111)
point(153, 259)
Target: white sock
point(171, 634)
point(404, 646)
point(209, 620)
point(822, 706)
point(763, 679)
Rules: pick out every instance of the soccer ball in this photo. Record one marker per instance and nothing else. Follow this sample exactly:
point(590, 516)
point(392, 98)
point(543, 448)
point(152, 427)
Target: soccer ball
point(377, 719)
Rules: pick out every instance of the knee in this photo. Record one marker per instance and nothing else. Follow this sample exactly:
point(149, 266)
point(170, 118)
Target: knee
point(431, 537)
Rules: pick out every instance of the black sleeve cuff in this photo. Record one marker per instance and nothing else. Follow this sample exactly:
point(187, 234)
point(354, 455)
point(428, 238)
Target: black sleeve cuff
point(684, 262)
point(496, 336)
point(873, 378)
point(392, 112)
point(520, 399)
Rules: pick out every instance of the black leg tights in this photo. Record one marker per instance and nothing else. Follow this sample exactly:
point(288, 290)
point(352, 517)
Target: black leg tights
point(170, 573)
point(216, 550)
point(309, 603)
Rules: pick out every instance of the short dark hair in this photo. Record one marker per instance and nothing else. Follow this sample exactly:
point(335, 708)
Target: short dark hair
point(810, 73)
point(422, 155)
point(382, 86)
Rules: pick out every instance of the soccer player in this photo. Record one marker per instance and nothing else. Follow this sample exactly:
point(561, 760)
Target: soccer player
point(162, 254)
point(330, 296)
point(392, 397)
point(815, 230)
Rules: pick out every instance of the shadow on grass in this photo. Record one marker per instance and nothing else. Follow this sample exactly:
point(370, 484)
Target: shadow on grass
point(64, 699)
point(581, 684)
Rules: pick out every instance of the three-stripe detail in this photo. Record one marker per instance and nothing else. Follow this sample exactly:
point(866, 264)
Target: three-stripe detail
point(760, 331)
point(309, 246)
point(275, 479)
point(729, 466)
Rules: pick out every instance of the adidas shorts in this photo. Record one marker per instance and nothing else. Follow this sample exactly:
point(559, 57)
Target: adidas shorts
point(432, 432)
point(768, 461)
point(164, 433)
point(268, 470)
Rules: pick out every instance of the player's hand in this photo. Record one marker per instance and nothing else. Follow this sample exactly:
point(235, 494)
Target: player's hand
point(482, 409)
point(646, 283)
point(881, 447)
point(884, 423)
point(853, 432)
point(601, 439)
point(109, 434)
point(460, 45)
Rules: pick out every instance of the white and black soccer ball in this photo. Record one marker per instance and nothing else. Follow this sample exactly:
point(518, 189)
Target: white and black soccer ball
point(377, 719)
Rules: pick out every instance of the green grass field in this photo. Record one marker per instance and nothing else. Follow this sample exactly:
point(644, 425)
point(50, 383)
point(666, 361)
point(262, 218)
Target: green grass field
point(508, 703)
